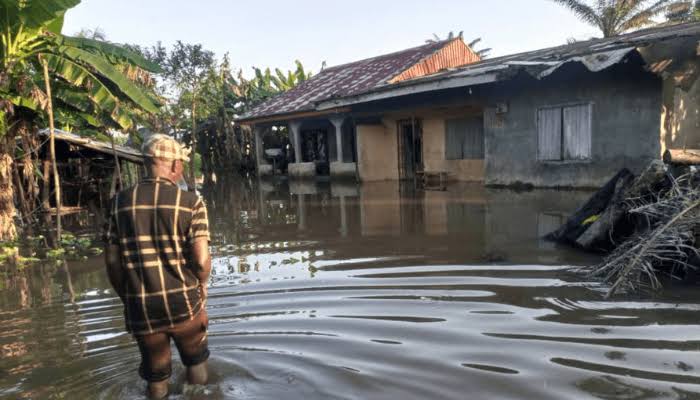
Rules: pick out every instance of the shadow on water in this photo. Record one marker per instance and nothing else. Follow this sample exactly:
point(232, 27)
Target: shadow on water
point(327, 290)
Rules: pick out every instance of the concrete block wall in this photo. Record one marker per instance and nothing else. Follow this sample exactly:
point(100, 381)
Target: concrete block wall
point(625, 132)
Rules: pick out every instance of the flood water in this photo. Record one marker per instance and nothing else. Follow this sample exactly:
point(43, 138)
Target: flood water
point(339, 291)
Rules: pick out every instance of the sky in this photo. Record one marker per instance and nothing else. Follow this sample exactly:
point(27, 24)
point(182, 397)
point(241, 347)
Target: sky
point(275, 33)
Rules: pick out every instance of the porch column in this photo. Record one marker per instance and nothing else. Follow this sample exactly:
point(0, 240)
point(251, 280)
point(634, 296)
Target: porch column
point(259, 150)
point(338, 124)
point(295, 136)
point(340, 168)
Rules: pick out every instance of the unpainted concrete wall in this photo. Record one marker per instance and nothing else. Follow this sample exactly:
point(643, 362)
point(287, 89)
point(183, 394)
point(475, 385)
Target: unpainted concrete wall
point(626, 118)
point(377, 151)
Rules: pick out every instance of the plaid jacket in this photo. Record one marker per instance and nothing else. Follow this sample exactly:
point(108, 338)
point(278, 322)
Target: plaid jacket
point(154, 224)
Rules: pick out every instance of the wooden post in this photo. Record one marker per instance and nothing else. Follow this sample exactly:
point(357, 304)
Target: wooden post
point(46, 186)
point(52, 149)
point(116, 162)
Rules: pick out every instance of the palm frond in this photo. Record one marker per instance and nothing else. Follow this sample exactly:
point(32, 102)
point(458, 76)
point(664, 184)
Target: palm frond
point(674, 216)
point(582, 10)
point(640, 18)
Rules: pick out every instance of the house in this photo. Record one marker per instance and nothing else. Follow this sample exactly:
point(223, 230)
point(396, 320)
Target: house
point(567, 116)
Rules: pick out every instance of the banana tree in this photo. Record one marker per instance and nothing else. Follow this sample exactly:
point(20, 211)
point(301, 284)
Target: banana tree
point(92, 80)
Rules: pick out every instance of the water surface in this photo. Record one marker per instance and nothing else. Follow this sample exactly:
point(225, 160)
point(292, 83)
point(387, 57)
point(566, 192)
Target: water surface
point(339, 291)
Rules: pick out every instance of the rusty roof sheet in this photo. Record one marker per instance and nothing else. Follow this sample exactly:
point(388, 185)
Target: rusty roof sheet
point(124, 152)
point(345, 80)
point(595, 55)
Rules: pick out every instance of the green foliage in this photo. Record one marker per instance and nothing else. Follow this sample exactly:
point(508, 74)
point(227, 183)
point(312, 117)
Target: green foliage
point(107, 75)
point(10, 255)
point(614, 17)
point(34, 14)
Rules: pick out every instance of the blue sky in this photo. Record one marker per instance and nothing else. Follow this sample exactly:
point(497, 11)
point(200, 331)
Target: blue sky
point(274, 33)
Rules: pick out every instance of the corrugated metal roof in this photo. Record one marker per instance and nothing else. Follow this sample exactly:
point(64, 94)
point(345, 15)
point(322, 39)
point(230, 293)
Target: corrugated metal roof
point(454, 54)
point(595, 55)
point(124, 152)
point(360, 76)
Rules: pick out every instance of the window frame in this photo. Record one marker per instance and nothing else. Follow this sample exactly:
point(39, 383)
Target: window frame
point(561, 107)
point(481, 120)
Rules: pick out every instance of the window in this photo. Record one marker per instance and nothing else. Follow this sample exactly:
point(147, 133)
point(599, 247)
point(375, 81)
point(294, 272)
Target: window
point(464, 139)
point(564, 133)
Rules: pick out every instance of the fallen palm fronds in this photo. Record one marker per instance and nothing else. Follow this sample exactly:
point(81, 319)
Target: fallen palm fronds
point(648, 225)
point(665, 246)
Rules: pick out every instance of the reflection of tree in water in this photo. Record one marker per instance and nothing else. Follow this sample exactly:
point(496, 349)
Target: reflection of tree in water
point(228, 202)
point(610, 387)
point(41, 331)
point(239, 207)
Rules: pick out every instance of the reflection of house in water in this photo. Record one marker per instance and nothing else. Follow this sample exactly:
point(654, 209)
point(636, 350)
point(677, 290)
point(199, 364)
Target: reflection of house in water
point(465, 223)
point(571, 115)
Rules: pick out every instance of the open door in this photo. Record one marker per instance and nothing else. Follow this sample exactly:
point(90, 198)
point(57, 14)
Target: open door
point(410, 142)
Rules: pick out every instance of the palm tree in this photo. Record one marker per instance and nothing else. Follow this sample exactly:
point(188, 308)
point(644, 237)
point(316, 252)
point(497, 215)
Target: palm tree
point(97, 33)
point(87, 79)
point(283, 82)
point(614, 17)
point(683, 11)
point(482, 53)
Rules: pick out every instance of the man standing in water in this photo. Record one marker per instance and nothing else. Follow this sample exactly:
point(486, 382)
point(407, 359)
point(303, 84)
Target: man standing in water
point(157, 255)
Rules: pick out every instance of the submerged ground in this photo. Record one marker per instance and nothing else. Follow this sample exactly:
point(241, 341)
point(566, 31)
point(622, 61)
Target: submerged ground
point(325, 291)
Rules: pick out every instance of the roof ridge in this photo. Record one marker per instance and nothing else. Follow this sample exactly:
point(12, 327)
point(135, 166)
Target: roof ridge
point(394, 53)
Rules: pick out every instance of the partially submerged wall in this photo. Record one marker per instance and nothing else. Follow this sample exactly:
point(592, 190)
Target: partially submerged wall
point(377, 151)
point(434, 159)
point(625, 126)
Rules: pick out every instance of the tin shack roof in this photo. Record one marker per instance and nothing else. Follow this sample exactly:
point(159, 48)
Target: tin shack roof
point(123, 152)
point(365, 75)
point(656, 46)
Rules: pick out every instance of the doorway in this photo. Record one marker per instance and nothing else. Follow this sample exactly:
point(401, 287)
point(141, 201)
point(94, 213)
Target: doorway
point(315, 149)
point(410, 144)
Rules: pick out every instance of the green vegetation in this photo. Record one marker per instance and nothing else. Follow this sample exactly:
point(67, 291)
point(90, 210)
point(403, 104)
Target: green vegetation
point(204, 96)
point(32, 250)
point(88, 85)
point(614, 17)
point(82, 83)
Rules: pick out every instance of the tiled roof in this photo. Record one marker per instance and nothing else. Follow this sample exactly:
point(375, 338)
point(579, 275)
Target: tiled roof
point(346, 80)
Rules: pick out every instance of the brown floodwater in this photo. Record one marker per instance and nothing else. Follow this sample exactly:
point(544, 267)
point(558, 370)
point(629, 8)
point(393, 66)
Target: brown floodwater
point(338, 291)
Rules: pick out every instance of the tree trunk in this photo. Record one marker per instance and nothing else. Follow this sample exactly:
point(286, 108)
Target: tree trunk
point(8, 230)
point(683, 157)
point(52, 149)
point(193, 155)
point(574, 226)
point(602, 231)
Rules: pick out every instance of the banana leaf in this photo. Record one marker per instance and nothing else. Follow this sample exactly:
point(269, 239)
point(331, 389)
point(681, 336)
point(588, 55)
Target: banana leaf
point(35, 13)
point(104, 68)
point(111, 50)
